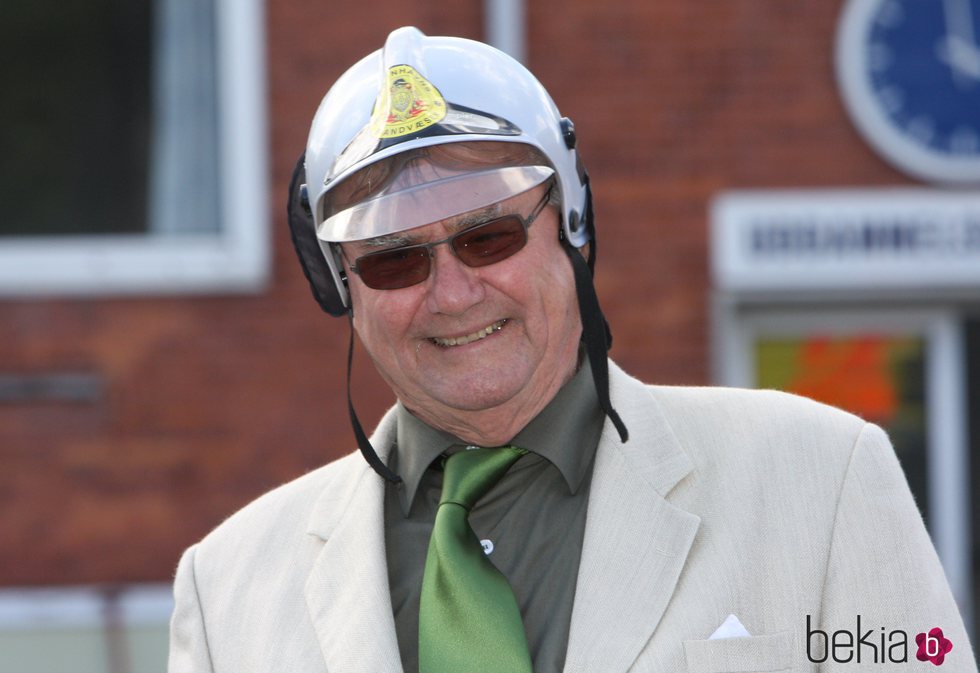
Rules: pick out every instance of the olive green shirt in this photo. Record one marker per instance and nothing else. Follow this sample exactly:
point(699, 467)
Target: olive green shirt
point(534, 518)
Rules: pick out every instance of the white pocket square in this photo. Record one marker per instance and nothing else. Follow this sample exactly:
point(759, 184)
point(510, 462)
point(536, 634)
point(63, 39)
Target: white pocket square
point(730, 628)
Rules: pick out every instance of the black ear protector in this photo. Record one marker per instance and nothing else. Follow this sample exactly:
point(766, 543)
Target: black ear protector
point(307, 245)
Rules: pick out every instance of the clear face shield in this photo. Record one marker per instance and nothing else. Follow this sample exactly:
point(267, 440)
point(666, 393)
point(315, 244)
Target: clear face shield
point(428, 184)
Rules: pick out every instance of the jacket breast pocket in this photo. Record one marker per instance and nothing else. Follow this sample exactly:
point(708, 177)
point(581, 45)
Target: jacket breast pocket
point(755, 654)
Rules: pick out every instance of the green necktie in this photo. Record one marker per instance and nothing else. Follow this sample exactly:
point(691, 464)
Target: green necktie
point(469, 621)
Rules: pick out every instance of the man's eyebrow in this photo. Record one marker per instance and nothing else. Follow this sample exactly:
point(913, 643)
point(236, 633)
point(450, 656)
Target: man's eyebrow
point(476, 217)
point(388, 240)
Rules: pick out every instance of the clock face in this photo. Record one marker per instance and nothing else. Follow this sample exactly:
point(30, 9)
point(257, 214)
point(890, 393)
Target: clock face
point(909, 72)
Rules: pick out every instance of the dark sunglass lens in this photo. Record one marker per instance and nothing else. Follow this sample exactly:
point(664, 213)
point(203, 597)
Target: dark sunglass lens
point(491, 242)
point(394, 269)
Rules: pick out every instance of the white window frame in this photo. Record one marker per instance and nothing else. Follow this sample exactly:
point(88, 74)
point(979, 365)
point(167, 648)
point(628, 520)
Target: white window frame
point(234, 260)
point(506, 27)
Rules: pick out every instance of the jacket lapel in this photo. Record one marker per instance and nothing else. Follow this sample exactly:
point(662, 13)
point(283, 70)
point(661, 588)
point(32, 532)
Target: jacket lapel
point(635, 541)
point(347, 591)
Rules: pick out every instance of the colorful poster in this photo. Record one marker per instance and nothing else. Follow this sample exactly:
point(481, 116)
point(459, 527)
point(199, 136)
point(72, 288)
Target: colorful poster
point(878, 377)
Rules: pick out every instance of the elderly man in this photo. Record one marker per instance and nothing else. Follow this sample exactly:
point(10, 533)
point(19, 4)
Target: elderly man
point(526, 505)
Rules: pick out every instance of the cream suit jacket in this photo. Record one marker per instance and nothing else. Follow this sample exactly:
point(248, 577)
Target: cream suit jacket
point(755, 503)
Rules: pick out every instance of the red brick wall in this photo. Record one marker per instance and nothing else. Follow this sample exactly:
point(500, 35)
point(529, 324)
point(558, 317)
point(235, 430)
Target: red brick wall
point(211, 400)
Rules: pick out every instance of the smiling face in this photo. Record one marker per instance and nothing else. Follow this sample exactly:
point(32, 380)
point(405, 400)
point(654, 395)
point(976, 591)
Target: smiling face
point(475, 350)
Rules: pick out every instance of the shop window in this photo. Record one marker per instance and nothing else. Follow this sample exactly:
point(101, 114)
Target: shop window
point(912, 371)
point(881, 378)
point(133, 138)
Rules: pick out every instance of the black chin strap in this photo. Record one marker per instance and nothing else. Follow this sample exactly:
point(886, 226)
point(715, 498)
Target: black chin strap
point(596, 335)
point(370, 455)
point(595, 329)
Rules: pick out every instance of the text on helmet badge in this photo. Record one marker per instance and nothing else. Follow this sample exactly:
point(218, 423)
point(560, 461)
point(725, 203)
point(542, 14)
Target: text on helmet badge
point(408, 104)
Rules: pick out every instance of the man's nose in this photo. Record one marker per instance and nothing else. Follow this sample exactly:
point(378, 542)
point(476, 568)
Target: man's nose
point(453, 287)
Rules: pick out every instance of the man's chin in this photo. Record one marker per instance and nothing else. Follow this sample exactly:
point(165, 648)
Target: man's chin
point(477, 398)
point(472, 394)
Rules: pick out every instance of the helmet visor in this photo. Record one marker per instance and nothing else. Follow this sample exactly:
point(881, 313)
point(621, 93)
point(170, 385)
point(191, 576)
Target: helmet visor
point(428, 184)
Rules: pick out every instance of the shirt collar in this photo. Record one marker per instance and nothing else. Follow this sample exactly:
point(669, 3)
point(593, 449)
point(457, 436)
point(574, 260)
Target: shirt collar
point(566, 433)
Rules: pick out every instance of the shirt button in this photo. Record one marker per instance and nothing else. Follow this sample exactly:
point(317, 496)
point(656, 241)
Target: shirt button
point(487, 546)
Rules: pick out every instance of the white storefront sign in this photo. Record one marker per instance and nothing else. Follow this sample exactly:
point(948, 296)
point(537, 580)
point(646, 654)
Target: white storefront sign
point(841, 239)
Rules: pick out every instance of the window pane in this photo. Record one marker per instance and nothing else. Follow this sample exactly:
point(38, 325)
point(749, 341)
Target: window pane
point(108, 122)
point(74, 116)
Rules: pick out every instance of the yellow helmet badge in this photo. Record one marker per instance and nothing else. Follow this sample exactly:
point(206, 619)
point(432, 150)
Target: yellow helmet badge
point(407, 105)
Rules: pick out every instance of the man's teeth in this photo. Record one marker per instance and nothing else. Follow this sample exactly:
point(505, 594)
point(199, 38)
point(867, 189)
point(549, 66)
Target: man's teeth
point(470, 338)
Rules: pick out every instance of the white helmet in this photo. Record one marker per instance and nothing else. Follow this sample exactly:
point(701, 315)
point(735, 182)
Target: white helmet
point(419, 92)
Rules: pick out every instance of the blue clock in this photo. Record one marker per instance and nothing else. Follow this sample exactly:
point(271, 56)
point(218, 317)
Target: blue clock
point(909, 73)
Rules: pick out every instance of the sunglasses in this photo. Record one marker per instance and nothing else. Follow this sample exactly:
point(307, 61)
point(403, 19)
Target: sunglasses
point(480, 245)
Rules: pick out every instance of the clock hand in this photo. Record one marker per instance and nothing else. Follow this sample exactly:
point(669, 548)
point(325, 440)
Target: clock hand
point(959, 20)
point(958, 48)
point(961, 56)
